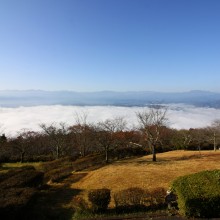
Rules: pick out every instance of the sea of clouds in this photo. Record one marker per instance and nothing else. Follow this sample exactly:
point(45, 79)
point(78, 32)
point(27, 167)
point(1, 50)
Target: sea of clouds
point(14, 120)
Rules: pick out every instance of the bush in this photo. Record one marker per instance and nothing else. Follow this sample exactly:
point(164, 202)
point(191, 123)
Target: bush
point(131, 199)
point(158, 196)
point(80, 205)
point(124, 152)
point(100, 199)
point(199, 194)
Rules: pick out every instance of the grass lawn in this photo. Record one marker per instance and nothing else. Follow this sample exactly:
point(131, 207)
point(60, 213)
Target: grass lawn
point(56, 201)
point(142, 172)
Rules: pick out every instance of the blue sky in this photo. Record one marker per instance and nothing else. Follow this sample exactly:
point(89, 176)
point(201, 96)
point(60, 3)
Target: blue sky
point(121, 45)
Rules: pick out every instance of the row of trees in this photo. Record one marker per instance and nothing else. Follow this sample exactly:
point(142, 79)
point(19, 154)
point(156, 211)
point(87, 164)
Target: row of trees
point(110, 137)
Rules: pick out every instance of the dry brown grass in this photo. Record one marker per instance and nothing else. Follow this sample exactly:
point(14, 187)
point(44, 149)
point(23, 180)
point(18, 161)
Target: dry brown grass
point(141, 172)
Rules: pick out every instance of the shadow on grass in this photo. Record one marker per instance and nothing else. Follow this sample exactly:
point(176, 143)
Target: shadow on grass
point(54, 202)
point(142, 162)
point(74, 178)
point(132, 213)
point(160, 161)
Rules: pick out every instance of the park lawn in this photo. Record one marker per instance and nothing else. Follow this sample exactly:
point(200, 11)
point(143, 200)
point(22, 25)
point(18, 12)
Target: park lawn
point(142, 172)
point(135, 172)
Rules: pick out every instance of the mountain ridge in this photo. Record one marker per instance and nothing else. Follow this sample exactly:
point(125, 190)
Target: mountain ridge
point(15, 98)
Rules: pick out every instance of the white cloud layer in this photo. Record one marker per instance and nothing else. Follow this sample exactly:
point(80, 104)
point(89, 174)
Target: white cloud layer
point(13, 120)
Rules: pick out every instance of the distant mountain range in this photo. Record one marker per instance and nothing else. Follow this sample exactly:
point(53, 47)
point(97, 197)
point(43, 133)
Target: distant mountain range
point(13, 98)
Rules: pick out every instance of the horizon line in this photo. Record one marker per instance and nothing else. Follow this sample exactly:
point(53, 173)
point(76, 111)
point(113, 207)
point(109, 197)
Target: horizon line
point(102, 91)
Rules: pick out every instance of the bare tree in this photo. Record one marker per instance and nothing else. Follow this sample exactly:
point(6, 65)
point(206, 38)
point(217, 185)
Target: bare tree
point(106, 130)
point(82, 132)
point(57, 135)
point(23, 143)
point(186, 137)
point(199, 136)
point(215, 129)
point(152, 123)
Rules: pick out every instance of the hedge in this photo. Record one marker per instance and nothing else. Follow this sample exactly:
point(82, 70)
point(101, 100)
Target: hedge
point(199, 194)
point(158, 196)
point(100, 199)
point(131, 199)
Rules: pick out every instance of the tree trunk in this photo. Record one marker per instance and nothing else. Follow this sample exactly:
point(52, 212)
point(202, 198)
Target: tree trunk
point(84, 150)
point(154, 154)
point(22, 156)
point(106, 154)
point(214, 141)
point(58, 152)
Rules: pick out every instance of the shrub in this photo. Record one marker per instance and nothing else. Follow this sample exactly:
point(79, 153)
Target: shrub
point(80, 205)
point(131, 199)
point(124, 152)
point(158, 196)
point(199, 194)
point(100, 199)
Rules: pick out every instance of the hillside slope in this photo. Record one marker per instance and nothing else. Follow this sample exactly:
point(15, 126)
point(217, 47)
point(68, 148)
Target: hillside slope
point(141, 172)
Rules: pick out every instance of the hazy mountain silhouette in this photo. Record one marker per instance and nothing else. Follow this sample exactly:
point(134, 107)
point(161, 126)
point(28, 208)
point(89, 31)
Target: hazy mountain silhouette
point(15, 98)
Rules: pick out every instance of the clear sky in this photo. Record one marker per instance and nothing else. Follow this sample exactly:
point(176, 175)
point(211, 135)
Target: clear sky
point(121, 45)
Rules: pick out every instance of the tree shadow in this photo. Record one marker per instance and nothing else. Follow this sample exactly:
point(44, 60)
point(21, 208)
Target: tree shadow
point(54, 201)
point(142, 162)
